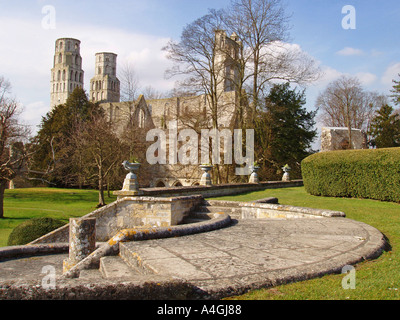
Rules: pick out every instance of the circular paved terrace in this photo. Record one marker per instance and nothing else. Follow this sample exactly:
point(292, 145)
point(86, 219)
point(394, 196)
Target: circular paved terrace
point(249, 254)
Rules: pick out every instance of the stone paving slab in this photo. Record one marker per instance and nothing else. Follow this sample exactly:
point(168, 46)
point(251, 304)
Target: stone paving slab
point(250, 254)
point(255, 253)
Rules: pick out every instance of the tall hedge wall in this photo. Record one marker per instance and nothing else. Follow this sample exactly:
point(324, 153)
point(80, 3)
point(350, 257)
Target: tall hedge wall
point(372, 174)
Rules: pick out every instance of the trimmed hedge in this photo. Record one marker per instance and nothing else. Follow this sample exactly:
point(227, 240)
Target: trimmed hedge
point(33, 229)
point(369, 174)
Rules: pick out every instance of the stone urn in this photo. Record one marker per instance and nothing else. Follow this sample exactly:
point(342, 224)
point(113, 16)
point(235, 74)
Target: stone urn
point(286, 176)
point(254, 176)
point(206, 177)
point(131, 181)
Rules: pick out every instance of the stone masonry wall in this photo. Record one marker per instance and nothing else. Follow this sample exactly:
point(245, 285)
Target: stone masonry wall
point(132, 212)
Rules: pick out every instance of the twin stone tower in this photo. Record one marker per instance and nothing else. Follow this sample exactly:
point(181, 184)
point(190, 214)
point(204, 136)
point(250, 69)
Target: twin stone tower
point(67, 74)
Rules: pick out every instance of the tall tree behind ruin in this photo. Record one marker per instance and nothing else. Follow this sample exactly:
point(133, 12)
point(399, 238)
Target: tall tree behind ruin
point(12, 136)
point(56, 160)
point(385, 128)
point(194, 59)
point(129, 82)
point(100, 151)
point(396, 91)
point(344, 103)
point(263, 28)
point(285, 116)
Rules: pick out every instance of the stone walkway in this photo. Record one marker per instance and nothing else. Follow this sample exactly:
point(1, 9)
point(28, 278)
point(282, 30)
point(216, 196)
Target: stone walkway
point(259, 253)
point(249, 254)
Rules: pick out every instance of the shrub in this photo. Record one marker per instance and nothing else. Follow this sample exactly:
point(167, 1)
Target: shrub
point(33, 229)
point(372, 174)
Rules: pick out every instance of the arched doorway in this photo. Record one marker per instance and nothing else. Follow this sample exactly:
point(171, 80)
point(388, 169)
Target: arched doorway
point(160, 184)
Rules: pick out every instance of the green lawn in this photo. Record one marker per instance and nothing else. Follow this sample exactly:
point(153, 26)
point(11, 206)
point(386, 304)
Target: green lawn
point(376, 280)
point(62, 204)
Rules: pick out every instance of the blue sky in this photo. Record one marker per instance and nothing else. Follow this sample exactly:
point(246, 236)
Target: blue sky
point(137, 30)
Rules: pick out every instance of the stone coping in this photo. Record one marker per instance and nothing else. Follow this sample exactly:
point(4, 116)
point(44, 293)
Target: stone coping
point(288, 208)
point(162, 199)
point(213, 190)
point(158, 288)
point(32, 250)
point(283, 209)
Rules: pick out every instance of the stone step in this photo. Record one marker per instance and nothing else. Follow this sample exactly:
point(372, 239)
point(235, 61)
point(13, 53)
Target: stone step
point(189, 220)
point(90, 274)
point(158, 261)
point(235, 213)
point(115, 267)
point(215, 209)
point(133, 259)
point(197, 216)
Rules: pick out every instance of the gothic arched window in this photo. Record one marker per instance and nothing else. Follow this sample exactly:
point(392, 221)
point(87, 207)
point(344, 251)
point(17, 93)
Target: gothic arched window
point(141, 118)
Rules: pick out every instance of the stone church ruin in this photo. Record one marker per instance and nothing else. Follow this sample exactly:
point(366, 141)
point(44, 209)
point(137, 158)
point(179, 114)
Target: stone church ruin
point(146, 114)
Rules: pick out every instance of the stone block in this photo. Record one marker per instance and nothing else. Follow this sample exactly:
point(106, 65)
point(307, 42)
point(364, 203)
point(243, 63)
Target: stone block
point(82, 241)
point(338, 139)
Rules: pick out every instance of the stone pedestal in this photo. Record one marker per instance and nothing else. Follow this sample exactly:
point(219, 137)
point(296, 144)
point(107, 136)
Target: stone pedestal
point(131, 183)
point(82, 241)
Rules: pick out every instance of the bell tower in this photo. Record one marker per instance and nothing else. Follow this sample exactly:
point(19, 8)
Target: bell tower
point(67, 73)
point(105, 86)
point(226, 60)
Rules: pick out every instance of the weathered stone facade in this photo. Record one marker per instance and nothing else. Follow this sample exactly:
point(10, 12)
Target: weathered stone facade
point(105, 86)
point(338, 139)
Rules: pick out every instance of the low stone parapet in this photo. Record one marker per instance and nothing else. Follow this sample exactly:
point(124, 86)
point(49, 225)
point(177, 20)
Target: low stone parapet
point(131, 212)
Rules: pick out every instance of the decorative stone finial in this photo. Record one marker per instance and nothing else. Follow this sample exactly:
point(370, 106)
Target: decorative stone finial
point(286, 169)
point(254, 175)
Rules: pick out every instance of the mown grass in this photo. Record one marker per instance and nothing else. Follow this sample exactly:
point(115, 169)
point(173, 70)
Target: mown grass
point(24, 204)
point(375, 280)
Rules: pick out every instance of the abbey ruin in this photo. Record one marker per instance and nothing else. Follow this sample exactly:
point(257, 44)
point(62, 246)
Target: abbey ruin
point(142, 114)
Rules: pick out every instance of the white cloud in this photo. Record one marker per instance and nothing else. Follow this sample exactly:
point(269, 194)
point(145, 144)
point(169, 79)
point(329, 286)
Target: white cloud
point(376, 53)
point(27, 58)
point(366, 78)
point(329, 74)
point(350, 52)
point(392, 73)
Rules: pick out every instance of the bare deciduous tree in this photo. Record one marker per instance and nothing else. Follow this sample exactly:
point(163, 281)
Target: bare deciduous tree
point(129, 82)
point(100, 151)
point(12, 136)
point(194, 58)
point(150, 93)
point(263, 28)
point(344, 103)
